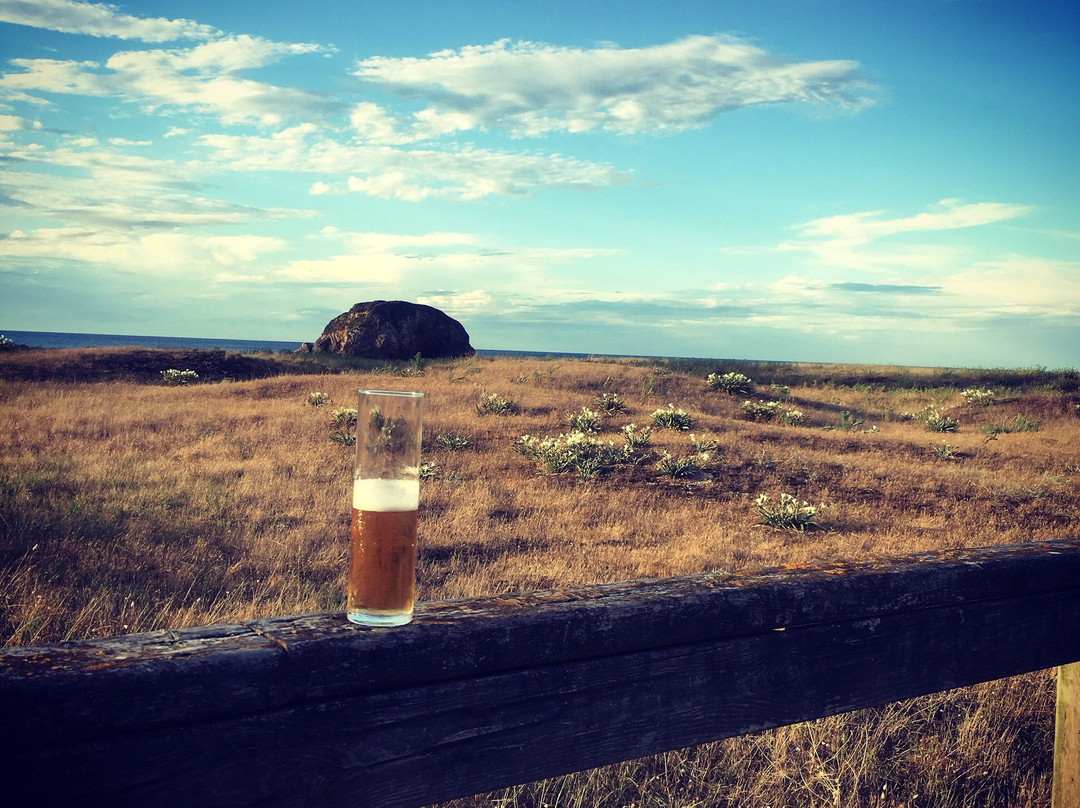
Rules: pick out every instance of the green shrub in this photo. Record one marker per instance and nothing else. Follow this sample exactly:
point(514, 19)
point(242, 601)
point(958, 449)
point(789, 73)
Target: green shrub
point(939, 422)
point(1019, 423)
point(343, 437)
point(792, 418)
point(344, 417)
point(494, 404)
point(609, 403)
point(759, 410)
point(584, 420)
point(847, 423)
point(452, 442)
point(316, 399)
point(636, 438)
point(946, 451)
point(734, 384)
point(704, 444)
point(789, 513)
point(770, 411)
point(980, 396)
point(583, 454)
point(679, 467)
point(671, 418)
point(174, 377)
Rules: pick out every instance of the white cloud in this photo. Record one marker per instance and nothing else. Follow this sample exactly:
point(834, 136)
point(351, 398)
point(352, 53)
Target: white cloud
point(372, 124)
point(464, 173)
point(389, 185)
point(1018, 285)
point(13, 123)
point(53, 76)
point(859, 228)
point(387, 242)
point(535, 88)
point(106, 188)
point(203, 78)
point(459, 304)
point(863, 240)
point(100, 20)
point(394, 258)
point(961, 298)
point(192, 254)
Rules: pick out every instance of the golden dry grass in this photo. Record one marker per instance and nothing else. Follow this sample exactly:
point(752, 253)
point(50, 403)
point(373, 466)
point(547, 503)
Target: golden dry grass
point(126, 507)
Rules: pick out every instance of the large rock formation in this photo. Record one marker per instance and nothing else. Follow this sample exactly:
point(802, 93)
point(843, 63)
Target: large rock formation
point(394, 329)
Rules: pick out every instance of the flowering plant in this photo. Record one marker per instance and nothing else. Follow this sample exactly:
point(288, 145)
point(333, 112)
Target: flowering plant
point(790, 512)
point(734, 384)
point(671, 418)
point(575, 451)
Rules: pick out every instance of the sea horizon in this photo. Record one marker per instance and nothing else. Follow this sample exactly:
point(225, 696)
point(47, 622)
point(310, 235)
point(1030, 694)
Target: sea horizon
point(66, 339)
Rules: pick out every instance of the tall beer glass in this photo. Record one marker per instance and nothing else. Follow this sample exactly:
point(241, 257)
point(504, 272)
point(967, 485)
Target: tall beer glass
point(386, 493)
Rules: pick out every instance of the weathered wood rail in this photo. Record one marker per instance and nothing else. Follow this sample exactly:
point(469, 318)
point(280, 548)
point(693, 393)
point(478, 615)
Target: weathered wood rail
point(478, 694)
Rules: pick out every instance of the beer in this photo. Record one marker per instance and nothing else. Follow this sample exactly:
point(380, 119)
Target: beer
point(386, 493)
point(382, 559)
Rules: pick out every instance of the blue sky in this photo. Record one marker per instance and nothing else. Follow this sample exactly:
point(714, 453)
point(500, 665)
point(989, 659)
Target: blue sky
point(887, 183)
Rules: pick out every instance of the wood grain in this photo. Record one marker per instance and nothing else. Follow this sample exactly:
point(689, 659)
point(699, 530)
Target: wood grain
point(1066, 789)
point(483, 693)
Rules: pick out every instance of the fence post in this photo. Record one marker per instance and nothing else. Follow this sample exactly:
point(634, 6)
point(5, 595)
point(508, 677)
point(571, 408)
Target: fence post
point(1066, 792)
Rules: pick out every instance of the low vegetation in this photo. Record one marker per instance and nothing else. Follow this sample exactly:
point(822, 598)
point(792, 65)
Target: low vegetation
point(138, 504)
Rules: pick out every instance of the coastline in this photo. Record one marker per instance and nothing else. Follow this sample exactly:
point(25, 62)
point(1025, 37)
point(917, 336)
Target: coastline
point(62, 339)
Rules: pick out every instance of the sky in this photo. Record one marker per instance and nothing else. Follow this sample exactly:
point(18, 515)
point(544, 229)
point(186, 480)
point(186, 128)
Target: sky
point(794, 180)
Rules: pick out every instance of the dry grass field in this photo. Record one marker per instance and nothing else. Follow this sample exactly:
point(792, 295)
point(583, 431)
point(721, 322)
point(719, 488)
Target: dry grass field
point(127, 506)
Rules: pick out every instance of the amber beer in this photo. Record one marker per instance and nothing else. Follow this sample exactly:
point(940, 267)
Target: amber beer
point(385, 497)
point(382, 559)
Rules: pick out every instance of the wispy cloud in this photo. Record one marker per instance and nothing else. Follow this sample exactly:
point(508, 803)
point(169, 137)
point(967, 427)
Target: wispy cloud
point(205, 78)
point(860, 228)
point(947, 286)
point(431, 259)
point(195, 255)
point(1019, 285)
point(459, 173)
point(99, 20)
point(866, 240)
point(535, 88)
point(84, 183)
point(886, 288)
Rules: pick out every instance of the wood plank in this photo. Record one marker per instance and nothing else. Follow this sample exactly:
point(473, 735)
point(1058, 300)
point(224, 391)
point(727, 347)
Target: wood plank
point(96, 688)
point(63, 692)
point(417, 744)
point(1066, 789)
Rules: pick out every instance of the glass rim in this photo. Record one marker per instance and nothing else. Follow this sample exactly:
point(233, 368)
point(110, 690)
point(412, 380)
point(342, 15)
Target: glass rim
point(403, 393)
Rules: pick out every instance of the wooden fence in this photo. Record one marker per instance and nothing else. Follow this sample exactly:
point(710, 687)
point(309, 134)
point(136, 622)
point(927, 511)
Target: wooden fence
point(483, 693)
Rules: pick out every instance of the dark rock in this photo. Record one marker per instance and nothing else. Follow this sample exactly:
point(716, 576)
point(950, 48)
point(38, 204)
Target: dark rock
point(305, 347)
point(394, 330)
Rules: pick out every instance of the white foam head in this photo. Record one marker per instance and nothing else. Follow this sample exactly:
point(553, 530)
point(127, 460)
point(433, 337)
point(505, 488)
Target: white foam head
point(386, 495)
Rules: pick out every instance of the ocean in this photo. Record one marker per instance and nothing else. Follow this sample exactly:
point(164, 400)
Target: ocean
point(59, 339)
point(56, 339)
